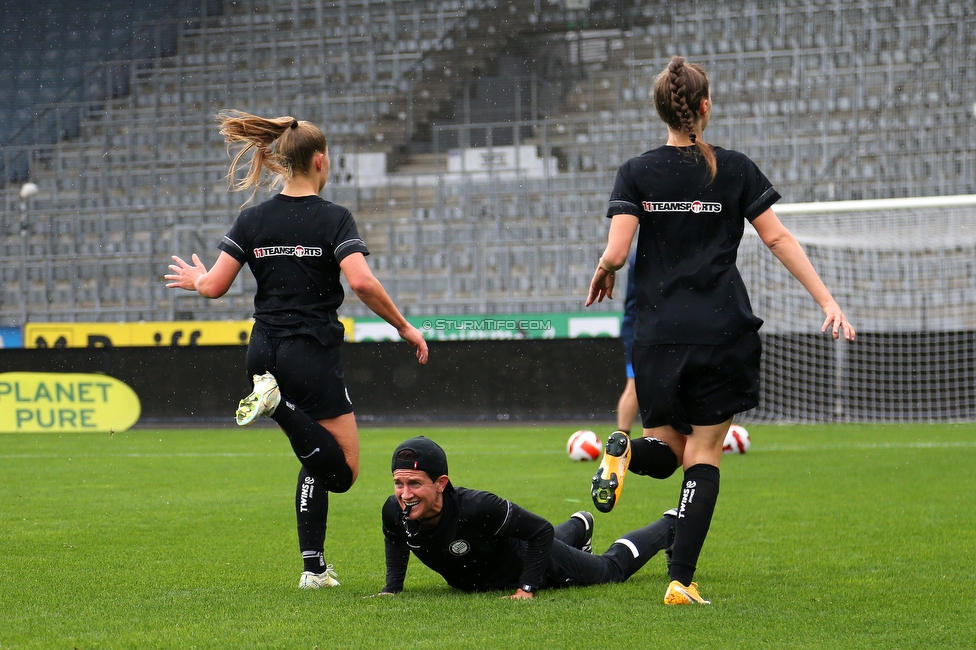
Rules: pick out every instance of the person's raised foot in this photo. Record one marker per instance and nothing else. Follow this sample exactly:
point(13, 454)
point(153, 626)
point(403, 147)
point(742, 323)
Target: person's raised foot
point(609, 479)
point(262, 401)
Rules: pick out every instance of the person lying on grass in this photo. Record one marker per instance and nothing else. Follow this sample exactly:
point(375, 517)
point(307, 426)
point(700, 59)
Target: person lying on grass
point(481, 542)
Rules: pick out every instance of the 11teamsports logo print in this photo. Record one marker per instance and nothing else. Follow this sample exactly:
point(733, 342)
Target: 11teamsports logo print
point(294, 251)
point(681, 206)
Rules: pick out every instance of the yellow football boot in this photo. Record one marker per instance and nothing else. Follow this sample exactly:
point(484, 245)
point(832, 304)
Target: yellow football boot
point(609, 479)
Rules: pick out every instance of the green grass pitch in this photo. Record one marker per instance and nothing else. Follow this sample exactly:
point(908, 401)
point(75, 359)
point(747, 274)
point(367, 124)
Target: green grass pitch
point(831, 536)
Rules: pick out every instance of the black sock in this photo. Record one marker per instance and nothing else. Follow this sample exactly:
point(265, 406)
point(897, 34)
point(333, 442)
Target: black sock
point(651, 457)
point(315, 447)
point(312, 511)
point(699, 492)
point(313, 561)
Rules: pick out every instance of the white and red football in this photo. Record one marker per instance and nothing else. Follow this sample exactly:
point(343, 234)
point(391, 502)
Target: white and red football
point(584, 445)
point(736, 440)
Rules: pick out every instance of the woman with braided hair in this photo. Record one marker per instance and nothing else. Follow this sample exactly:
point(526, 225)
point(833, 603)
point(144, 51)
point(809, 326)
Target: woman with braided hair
point(296, 244)
point(696, 343)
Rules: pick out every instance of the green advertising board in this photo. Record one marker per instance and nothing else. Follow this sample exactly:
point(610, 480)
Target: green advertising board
point(564, 325)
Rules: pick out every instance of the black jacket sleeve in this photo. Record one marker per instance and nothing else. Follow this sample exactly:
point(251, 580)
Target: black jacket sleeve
point(538, 535)
point(397, 557)
point(397, 551)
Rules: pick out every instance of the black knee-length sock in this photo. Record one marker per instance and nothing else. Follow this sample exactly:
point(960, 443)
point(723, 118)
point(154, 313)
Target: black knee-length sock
point(699, 492)
point(315, 447)
point(651, 457)
point(312, 511)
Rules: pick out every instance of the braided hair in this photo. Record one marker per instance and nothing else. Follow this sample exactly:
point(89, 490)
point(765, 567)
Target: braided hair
point(677, 95)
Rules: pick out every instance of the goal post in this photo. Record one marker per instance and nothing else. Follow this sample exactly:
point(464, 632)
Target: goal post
point(904, 271)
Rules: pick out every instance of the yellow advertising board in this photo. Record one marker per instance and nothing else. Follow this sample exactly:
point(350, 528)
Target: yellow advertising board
point(51, 402)
point(143, 334)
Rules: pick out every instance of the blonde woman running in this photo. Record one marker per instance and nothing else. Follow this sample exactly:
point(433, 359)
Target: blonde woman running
point(296, 244)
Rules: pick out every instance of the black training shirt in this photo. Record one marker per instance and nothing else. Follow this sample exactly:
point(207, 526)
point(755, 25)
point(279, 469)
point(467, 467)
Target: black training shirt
point(689, 290)
point(293, 246)
point(482, 542)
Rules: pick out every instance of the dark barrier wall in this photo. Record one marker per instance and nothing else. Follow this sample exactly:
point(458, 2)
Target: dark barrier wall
point(881, 377)
point(465, 380)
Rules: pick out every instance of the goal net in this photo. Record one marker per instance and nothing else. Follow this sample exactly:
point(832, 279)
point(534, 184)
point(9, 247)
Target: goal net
point(904, 271)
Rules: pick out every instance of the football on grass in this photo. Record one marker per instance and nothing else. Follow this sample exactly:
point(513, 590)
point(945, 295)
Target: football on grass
point(736, 440)
point(583, 445)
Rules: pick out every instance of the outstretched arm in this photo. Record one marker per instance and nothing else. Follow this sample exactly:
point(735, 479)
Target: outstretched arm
point(371, 292)
point(622, 229)
point(209, 284)
point(787, 250)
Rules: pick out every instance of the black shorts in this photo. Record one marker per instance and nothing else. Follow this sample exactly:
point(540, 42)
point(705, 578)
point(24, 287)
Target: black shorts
point(684, 385)
point(308, 373)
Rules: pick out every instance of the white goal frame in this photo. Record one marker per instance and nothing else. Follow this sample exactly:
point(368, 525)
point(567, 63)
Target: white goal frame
point(904, 271)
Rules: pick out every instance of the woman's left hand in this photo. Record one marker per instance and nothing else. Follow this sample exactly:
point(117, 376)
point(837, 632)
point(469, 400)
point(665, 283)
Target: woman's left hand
point(835, 321)
point(414, 337)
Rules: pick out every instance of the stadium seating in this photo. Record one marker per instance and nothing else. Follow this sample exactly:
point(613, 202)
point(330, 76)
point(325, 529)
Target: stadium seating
point(833, 100)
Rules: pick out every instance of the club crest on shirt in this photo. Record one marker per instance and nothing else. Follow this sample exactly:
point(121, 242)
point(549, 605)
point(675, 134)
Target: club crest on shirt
point(293, 251)
point(459, 547)
point(681, 206)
